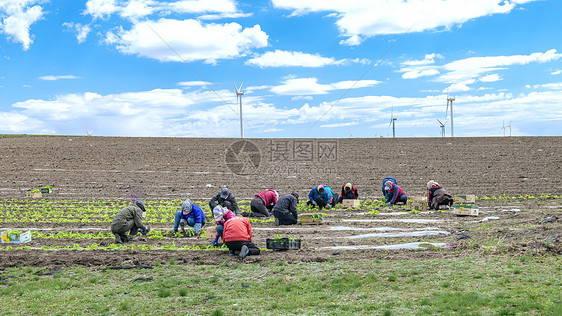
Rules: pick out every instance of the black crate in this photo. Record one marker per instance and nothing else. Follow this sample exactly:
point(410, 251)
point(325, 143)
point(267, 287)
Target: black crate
point(283, 243)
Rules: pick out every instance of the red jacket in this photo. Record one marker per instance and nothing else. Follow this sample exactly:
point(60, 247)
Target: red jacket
point(237, 229)
point(269, 198)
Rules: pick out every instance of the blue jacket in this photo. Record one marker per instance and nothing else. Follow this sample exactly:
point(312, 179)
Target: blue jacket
point(196, 213)
point(328, 194)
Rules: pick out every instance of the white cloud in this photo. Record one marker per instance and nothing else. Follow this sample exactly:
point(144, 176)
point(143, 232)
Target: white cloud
point(191, 39)
point(556, 72)
point(339, 124)
point(459, 86)
point(473, 67)
point(463, 72)
point(16, 18)
point(81, 31)
point(360, 19)
point(193, 83)
point(101, 9)
point(137, 9)
point(301, 97)
point(550, 86)
point(310, 86)
point(54, 78)
point(279, 58)
point(490, 78)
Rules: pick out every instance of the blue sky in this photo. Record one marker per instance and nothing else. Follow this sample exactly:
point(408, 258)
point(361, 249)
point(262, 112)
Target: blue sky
point(324, 68)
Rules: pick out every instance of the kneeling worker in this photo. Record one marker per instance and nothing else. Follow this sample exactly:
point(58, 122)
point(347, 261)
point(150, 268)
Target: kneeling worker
point(285, 210)
point(436, 196)
point(237, 236)
point(129, 219)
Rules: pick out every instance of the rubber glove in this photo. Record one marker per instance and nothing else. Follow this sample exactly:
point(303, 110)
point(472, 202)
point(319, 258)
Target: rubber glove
point(197, 228)
point(215, 241)
point(314, 202)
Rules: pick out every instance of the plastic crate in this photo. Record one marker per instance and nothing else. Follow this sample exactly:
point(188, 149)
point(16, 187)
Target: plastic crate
point(310, 219)
point(11, 239)
point(283, 243)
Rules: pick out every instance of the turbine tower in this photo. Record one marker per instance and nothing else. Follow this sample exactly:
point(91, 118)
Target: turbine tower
point(88, 132)
point(509, 126)
point(450, 100)
point(239, 95)
point(442, 125)
point(392, 120)
point(503, 128)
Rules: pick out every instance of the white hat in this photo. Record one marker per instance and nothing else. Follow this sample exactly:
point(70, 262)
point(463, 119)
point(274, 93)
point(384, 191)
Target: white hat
point(218, 213)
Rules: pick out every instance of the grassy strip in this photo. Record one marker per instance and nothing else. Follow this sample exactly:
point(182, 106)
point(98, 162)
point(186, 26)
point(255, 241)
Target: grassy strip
point(477, 285)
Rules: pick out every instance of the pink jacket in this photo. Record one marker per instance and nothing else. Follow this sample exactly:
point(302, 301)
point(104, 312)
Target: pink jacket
point(228, 215)
point(269, 198)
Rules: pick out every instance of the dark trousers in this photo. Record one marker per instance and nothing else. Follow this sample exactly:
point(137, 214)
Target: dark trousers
point(445, 201)
point(121, 228)
point(402, 198)
point(257, 206)
point(237, 246)
point(285, 218)
point(346, 196)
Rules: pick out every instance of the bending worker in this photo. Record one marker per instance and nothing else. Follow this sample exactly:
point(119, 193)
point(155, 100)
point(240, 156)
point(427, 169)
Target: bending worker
point(348, 191)
point(285, 210)
point(322, 196)
point(394, 194)
point(262, 204)
point(436, 196)
point(224, 198)
point(191, 215)
point(129, 219)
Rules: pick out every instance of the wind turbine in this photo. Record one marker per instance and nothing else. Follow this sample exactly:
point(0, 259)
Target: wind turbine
point(450, 100)
point(350, 133)
point(239, 95)
point(442, 125)
point(88, 132)
point(392, 120)
point(503, 128)
point(509, 126)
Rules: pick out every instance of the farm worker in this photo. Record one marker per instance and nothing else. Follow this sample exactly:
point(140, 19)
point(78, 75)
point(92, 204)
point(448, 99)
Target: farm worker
point(237, 236)
point(191, 215)
point(285, 210)
point(395, 194)
point(322, 196)
point(221, 215)
point(436, 196)
point(129, 219)
point(224, 198)
point(348, 191)
point(262, 204)
point(384, 192)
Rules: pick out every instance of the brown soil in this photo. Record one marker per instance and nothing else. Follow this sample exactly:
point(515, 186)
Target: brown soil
point(170, 168)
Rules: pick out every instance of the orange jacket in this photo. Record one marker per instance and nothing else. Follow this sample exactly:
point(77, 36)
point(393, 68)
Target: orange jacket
point(237, 229)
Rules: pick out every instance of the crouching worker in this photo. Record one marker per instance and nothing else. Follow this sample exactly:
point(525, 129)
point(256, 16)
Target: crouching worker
point(285, 210)
point(394, 194)
point(384, 191)
point(221, 215)
point(224, 198)
point(262, 203)
point(237, 236)
point(436, 196)
point(322, 196)
point(129, 219)
point(191, 215)
point(348, 191)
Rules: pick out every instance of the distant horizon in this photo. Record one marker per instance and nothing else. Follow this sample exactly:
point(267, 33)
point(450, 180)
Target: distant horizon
point(312, 69)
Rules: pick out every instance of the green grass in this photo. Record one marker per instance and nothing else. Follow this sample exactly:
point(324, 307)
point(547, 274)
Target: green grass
point(491, 285)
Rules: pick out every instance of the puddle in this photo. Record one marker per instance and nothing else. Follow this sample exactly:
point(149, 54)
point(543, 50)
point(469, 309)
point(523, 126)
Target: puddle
point(346, 228)
point(412, 245)
point(417, 233)
point(490, 218)
point(401, 220)
point(401, 213)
